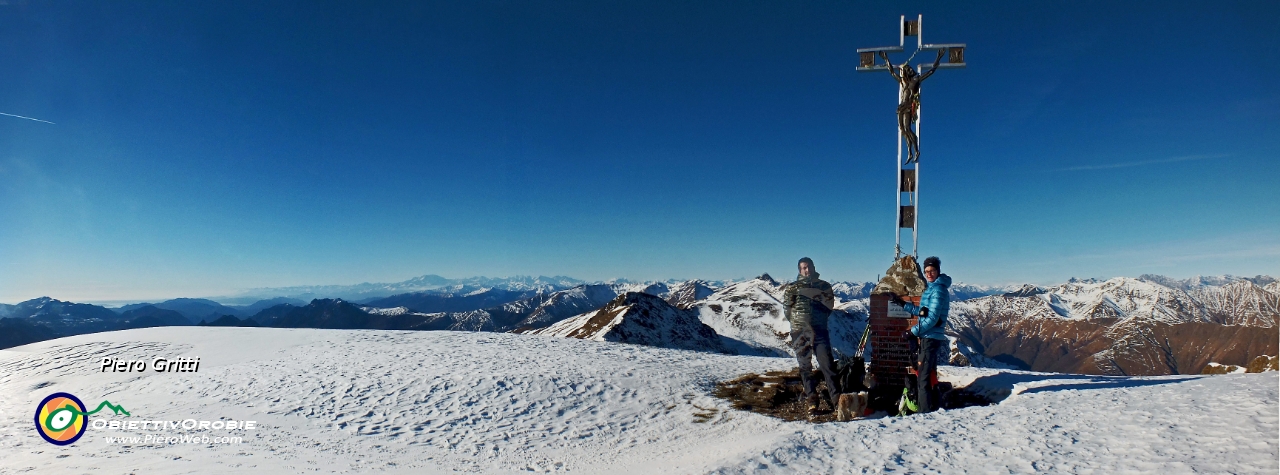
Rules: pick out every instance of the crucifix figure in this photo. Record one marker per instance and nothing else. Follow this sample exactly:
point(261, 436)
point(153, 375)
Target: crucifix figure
point(909, 82)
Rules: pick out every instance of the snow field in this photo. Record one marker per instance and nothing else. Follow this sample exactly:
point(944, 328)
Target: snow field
point(339, 401)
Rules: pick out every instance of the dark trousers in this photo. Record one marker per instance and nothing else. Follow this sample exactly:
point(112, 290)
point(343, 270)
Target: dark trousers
point(927, 370)
point(809, 343)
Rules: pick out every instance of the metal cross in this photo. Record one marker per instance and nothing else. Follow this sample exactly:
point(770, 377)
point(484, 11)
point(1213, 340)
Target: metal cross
point(909, 115)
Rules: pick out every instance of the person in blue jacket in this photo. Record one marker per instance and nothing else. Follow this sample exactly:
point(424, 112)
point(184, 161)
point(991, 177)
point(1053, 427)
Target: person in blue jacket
point(934, 306)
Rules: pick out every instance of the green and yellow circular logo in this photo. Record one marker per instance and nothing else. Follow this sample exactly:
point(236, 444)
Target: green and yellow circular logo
point(61, 418)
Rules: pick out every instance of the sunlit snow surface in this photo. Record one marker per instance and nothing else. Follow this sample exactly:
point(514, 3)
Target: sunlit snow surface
point(426, 402)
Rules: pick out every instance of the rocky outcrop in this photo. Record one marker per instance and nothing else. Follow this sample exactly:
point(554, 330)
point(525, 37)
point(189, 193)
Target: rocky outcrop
point(1258, 365)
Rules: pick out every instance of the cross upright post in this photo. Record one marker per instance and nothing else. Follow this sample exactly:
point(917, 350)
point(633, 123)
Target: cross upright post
point(909, 80)
point(891, 357)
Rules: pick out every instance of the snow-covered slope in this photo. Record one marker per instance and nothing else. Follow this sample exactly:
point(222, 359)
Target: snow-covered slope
point(749, 312)
point(642, 319)
point(343, 401)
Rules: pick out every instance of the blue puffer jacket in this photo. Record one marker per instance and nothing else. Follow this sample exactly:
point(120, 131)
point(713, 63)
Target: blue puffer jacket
point(938, 301)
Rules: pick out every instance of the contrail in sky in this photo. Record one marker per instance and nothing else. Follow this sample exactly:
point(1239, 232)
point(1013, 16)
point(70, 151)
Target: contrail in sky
point(1144, 162)
point(28, 118)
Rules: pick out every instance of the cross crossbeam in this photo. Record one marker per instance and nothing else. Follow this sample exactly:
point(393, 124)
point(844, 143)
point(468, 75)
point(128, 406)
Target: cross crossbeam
point(909, 80)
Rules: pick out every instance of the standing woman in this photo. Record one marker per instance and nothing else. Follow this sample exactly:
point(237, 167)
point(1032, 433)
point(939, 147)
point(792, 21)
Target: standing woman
point(933, 308)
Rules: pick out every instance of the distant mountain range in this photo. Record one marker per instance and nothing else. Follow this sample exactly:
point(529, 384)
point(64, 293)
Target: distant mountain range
point(46, 318)
point(366, 291)
point(1145, 325)
point(1123, 326)
point(433, 284)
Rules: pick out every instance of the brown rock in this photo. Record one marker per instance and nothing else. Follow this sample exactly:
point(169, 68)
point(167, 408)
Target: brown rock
point(1263, 363)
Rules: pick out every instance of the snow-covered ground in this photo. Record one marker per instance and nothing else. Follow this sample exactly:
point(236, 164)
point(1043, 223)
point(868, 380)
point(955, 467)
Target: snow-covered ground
point(426, 402)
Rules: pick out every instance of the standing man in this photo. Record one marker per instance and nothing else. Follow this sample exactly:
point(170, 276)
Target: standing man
point(808, 303)
point(933, 308)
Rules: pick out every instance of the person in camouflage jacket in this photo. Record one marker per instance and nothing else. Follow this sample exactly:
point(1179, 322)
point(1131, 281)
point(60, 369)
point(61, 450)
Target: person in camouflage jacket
point(808, 303)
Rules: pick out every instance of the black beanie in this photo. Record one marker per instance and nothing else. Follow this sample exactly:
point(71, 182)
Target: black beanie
point(932, 261)
point(810, 261)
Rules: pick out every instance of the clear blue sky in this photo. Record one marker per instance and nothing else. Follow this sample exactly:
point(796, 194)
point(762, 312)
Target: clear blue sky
point(203, 147)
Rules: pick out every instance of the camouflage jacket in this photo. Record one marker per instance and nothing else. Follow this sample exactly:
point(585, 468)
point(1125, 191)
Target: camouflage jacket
point(808, 301)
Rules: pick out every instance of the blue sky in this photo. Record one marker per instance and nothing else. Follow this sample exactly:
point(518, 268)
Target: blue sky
point(203, 147)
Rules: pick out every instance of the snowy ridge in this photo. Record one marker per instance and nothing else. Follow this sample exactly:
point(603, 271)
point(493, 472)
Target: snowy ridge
point(1201, 281)
point(388, 311)
point(641, 319)
point(1240, 302)
point(570, 302)
point(1123, 297)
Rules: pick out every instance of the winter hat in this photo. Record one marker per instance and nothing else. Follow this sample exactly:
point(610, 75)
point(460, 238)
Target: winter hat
point(933, 261)
point(806, 259)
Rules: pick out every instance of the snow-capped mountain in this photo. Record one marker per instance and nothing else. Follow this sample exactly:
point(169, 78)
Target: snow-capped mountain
point(566, 303)
point(961, 291)
point(535, 312)
point(622, 286)
point(365, 291)
point(686, 294)
point(459, 298)
point(1242, 302)
point(1200, 281)
point(751, 312)
point(642, 319)
point(1120, 326)
point(852, 290)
